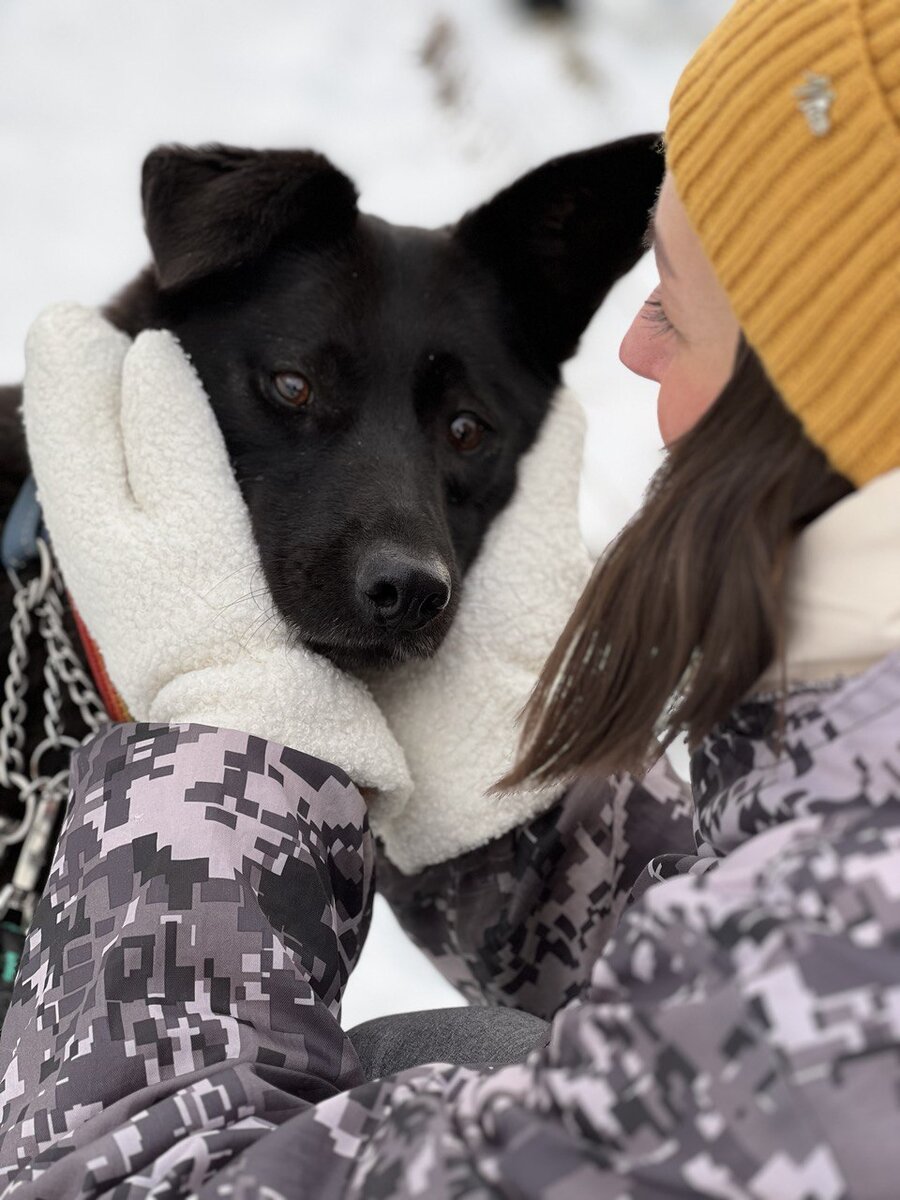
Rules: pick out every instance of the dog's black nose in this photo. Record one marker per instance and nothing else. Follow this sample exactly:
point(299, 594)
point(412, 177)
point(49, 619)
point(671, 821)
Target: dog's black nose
point(400, 592)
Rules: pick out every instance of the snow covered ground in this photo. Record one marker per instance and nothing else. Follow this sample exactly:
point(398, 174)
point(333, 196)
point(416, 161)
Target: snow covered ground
point(430, 105)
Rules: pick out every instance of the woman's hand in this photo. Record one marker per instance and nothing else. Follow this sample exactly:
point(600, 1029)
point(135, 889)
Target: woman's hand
point(155, 544)
point(455, 715)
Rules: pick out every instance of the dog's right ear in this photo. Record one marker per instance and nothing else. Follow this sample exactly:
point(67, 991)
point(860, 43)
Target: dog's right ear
point(213, 208)
point(560, 237)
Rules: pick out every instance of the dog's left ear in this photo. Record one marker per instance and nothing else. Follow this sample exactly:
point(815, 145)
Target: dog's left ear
point(561, 236)
point(212, 208)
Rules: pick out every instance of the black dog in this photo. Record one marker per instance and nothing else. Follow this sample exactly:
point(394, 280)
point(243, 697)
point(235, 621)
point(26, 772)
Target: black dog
point(376, 385)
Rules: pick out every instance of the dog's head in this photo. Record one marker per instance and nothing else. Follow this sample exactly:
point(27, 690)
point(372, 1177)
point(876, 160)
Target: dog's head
point(376, 385)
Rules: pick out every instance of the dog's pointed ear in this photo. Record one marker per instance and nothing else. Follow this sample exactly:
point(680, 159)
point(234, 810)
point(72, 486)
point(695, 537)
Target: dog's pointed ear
point(212, 208)
point(561, 236)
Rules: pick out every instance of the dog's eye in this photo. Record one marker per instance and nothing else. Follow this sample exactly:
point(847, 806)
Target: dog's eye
point(466, 432)
point(293, 388)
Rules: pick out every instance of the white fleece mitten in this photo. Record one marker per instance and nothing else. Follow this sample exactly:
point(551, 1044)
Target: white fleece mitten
point(455, 714)
point(155, 545)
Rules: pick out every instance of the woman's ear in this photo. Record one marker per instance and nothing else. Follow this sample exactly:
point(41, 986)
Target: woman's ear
point(561, 236)
point(213, 208)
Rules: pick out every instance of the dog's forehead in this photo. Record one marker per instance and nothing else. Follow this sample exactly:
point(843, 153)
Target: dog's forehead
point(392, 238)
point(404, 252)
point(383, 293)
point(383, 284)
point(425, 272)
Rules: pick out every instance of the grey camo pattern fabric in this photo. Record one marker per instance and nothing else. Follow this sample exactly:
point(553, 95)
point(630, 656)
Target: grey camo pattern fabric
point(727, 1017)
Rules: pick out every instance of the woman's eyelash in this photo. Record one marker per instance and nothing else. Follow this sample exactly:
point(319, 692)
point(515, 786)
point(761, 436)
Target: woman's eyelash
point(657, 314)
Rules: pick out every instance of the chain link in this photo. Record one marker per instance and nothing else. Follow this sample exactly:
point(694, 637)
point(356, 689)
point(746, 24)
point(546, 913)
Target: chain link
point(39, 606)
point(14, 710)
point(66, 664)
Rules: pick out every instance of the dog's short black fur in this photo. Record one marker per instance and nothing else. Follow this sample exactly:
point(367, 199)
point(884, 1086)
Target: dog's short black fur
point(376, 385)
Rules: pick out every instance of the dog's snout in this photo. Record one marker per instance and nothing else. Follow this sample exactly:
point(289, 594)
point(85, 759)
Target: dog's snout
point(400, 592)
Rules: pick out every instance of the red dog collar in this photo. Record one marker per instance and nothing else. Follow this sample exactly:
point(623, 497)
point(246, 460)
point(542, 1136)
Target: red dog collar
point(113, 702)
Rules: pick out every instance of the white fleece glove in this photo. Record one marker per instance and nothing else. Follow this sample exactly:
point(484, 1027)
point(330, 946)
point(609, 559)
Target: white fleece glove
point(154, 541)
point(455, 715)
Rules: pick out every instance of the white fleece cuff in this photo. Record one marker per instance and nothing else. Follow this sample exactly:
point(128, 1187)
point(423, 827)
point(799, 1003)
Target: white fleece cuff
point(299, 702)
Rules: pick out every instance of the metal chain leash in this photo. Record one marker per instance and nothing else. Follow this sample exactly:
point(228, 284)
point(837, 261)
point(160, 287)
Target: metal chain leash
point(38, 609)
point(65, 662)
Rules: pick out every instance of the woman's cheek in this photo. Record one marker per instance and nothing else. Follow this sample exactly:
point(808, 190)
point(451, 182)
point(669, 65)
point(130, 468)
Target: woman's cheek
point(681, 403)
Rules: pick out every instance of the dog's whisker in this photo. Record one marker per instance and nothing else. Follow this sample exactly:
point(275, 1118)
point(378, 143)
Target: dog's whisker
point(254, 564)
point(259, 625)
point(255, 596)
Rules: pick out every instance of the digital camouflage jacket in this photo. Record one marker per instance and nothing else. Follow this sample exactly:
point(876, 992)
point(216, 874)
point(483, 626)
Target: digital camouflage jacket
point(728, 1018)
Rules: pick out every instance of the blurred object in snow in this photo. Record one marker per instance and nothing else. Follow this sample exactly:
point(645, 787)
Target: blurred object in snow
point(548, 8)
point(439, 56)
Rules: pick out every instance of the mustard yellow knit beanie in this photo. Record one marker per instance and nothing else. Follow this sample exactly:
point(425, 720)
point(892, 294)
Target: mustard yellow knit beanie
point(784, 144)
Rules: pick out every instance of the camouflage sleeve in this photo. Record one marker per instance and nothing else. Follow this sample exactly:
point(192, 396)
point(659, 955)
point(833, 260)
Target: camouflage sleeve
point(738, 1039)
point(522, 921)
point(182, 979)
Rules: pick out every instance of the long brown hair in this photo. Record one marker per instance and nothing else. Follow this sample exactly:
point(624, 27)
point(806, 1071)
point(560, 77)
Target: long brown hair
point(685, 610)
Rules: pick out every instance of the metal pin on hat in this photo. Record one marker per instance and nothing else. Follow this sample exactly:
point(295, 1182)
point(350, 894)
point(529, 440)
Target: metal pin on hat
point(815, 99)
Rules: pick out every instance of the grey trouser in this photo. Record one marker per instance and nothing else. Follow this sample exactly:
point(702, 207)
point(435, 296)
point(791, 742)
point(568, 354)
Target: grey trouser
point(477, 1037)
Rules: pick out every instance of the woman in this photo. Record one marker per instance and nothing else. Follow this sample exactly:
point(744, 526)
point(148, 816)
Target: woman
point(173, 1030)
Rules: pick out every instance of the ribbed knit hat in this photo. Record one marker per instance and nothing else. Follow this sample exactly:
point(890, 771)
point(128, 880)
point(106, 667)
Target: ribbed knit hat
point(784, 145)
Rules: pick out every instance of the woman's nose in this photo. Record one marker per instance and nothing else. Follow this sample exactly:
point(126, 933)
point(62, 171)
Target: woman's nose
point(640, 352)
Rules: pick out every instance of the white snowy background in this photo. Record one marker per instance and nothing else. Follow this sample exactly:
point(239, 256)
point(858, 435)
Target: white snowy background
point(430, 105)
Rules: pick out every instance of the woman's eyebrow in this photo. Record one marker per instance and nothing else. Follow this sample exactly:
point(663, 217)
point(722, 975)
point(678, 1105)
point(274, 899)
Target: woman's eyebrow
point(652, 242)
